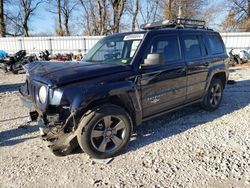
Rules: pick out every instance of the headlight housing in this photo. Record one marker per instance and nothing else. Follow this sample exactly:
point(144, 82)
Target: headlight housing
point(42, 94)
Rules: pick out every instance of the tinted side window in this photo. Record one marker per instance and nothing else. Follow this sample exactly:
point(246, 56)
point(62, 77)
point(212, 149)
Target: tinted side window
point(216, 44)
point(168, 46)
point(192, 46)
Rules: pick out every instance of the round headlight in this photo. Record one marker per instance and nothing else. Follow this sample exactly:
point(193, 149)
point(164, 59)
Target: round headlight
point(42, 94)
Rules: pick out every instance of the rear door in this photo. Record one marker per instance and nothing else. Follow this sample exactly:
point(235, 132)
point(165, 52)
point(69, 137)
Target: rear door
point(197, 61)
point(164, 86)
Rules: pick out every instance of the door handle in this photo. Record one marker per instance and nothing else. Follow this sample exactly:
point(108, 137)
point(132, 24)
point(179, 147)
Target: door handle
point(206, 64)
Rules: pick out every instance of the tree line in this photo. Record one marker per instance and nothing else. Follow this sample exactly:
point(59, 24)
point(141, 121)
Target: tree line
point(102, 17)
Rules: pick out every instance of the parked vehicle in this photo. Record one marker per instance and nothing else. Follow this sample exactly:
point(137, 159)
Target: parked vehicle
point(244, 56)
point(62, 57)
point(125, 79)
point(44, 55)
point(78, 56)
point(238, 56)
point(234, 58)
point(13, 62)
point(16, 62)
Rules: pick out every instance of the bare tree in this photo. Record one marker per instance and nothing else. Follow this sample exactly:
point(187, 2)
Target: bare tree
point(59, 30)
point(102, 17)
point(96, 17)
point(170, 9)
point(13, 24)
point(67, 10)
point(133, 10)
point(90, 19)
point(190, 8)
point(210, 14)
point(87, 23)
point(238, 18)
point(28, 8)
point(55, 7)
point(149, 10)
point(102, 6)
point(18, 15)
point(2, 22)
point(248, 15)
point(118, 10)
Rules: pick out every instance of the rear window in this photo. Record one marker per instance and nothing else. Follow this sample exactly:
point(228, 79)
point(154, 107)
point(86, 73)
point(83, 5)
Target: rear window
point(215, 44)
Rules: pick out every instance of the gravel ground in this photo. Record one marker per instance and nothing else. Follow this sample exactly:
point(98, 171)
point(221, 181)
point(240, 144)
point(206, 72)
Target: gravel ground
point(187, 148)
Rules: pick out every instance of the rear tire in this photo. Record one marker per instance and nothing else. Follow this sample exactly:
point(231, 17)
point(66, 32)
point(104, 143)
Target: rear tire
point(213, 97)
point(104, 131)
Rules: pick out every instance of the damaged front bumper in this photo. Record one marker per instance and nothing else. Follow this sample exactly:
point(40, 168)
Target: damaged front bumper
point(34, 114)
point(61, 138)
point(27, 103)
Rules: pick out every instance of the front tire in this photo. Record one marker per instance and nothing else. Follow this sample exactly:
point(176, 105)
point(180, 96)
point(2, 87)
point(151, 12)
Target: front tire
point(104, 131)
point(214, 95)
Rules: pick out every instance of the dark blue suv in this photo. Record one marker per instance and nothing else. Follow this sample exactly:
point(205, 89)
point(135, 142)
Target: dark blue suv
point(125, 79)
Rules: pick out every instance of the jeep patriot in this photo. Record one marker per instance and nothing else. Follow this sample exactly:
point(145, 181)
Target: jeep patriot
point(125, 79)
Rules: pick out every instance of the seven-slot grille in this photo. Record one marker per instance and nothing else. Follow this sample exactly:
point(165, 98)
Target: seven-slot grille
point(31, 90)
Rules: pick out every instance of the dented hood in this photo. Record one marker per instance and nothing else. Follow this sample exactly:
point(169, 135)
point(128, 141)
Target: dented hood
point(61, 73)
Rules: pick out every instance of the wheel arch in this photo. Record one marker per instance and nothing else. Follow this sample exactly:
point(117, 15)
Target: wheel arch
point(125, 101)
point(118, 100)
point(222, 76)
point(220, 73)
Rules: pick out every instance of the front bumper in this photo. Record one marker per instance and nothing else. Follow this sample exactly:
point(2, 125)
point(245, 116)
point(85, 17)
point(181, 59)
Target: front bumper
point(60, 143)
point(27, 103)
point(55, 124)
point(33, 112)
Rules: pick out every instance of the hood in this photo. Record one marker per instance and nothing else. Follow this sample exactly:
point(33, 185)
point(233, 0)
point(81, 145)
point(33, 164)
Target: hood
point(62, 73)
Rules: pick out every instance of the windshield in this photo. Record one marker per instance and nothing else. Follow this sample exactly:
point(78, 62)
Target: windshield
point(115, 50)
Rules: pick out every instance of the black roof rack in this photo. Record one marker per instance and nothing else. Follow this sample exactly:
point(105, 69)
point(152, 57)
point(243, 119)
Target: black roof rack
point(178, 23)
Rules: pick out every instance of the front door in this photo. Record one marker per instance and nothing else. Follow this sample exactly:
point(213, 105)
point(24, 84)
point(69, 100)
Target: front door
point(164, 86)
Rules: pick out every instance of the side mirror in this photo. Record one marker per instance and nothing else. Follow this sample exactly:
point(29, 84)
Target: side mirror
point(153, 60)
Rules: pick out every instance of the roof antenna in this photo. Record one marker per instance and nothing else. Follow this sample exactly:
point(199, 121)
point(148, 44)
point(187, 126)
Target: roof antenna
point(179, 15)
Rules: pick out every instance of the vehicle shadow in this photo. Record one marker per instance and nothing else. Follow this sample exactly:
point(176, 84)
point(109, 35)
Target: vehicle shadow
point(9, 137)
point(236, 96)
point(11, 119)
point(10, 87)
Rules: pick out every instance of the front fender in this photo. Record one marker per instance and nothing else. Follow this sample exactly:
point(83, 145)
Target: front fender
point(81, 96)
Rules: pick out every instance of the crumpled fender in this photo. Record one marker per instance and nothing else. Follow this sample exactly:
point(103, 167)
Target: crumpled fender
point(80, 96)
